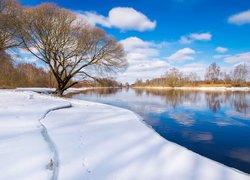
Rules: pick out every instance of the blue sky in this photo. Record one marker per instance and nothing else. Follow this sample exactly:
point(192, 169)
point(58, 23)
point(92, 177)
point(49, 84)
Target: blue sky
point(157, 35)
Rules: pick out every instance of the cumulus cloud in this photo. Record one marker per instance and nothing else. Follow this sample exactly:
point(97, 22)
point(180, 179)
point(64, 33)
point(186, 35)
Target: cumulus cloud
point(21, 56)
point(221, 56)
point(143, 59)
point(196, 67)
point(23, 51)
point(238, 58)
point(221, 49)
point(123, 18)
point(240, 18)
point(137, 44)
point(188, 39)
point(201, 36)
point(184, 54)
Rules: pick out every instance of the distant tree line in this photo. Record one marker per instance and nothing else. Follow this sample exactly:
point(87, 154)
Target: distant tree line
point(214, 76)
point(71, 49)
point(22, 75)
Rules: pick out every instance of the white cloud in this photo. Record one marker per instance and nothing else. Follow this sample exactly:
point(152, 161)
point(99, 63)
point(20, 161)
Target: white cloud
point(24, 51)
point(21, 58)
point(201, 36)
point(182, 55)
point(221, 56)
point(238, 58)
point(93, 18)
point(185, 40)
point(133, 43)
point(221, 49)
point(123, 18)
point(198, 68)
point(188, 39)
point(143, 60)
point(240, 18)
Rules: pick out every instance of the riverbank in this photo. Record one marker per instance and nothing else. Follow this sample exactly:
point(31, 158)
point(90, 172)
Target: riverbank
point(85, 140)
point(197, 88)
point(52, 90)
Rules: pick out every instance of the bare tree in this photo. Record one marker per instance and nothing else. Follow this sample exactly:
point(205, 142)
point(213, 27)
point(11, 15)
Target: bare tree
point(35, 77)
point(69, 47)
point(226, 78)
point(173, 77)
point(213, 73)
point(240, 74)
point(9, 10)
point(139, 82)
point(193, 78)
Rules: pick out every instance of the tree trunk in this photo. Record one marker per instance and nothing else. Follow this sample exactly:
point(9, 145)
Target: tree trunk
point(59, 92)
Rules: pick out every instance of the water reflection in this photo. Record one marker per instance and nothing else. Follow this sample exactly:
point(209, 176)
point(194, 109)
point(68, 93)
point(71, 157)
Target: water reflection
point(101, 92)
point(213, 124)
point(238, 100)
point(204, 136)
point(186, 119)
point(214, 101)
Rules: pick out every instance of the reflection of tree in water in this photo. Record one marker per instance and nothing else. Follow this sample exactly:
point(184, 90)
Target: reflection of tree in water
point(240, 102)
point(139, 92)
point(101, 92)
point(214, 100)
point(173, 97)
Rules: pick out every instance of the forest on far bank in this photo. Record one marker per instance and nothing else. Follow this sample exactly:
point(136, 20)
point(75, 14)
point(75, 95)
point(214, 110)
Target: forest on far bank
point(214, 77)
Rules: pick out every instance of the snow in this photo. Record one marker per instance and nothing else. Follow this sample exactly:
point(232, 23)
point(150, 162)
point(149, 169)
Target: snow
point(51, 90)
point(90, 141)
point(38, 90)
point(24, 152)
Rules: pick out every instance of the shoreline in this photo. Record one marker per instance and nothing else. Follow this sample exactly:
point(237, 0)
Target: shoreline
point(96, 141)
point(234, 89)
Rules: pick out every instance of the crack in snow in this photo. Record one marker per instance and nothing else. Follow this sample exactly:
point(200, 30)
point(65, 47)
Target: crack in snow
point(54, 161)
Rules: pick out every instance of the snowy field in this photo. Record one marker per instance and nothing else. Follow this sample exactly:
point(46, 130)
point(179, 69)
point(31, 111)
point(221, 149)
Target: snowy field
point(43, 137)
point(51, 90)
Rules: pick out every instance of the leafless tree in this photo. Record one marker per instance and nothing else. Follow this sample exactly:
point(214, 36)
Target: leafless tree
point(139, 82)
point(173, 77)
point(69, 47)
point(9, 10)
point(193, 78)
point(213, 73)
point(240, 74)
point(226, 78)
point(35, 77)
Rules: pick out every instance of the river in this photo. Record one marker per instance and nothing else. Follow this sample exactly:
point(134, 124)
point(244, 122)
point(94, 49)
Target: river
point(213, 124)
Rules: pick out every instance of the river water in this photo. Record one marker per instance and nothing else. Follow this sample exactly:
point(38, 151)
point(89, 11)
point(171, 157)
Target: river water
point(213, 124)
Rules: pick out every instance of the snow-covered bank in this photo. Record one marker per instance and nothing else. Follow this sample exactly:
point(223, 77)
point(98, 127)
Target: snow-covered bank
point(24, 152)
point(38, 90)
point(92, 141)
point(198, 88)
point(52, 90)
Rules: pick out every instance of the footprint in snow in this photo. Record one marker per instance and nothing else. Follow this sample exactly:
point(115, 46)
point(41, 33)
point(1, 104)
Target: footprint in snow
point(85, 164)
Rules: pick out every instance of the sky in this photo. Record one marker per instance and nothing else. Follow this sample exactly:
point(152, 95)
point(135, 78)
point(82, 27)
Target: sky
point(160, 34)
